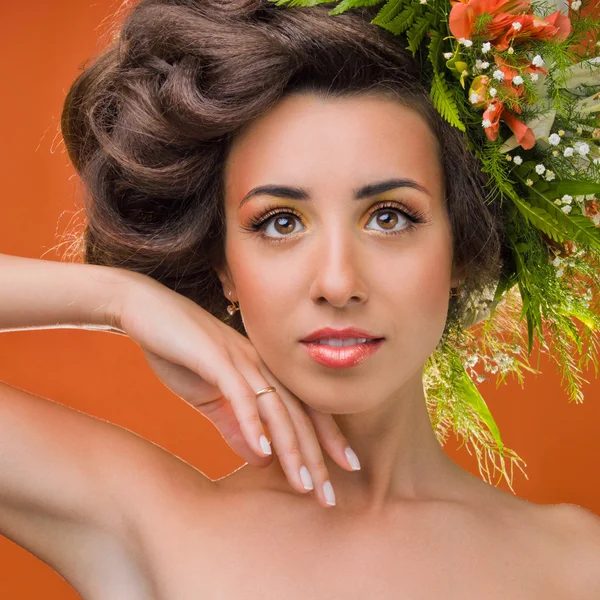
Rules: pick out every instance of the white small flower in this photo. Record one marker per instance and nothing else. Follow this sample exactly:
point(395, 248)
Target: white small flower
point(529, 182)
point(550, 175)
point(423, 1)
point(538, 61)
point(567, 209)
point(474, 98)
point(493, 92)
point(534, 76)
point(518, 160)
point(491, 108)
point(558, 201)
point(465, 42)
point(485, 47)
point(568, 152)
point(511, 50)
point(554, 139)
point(567, 199)
point(583, 149)
point(448, 55)
point(517, 26)
point(539, 169)
point(559, 272)
point(556, 262)
point(576, 4)
point(517, 80)
point(486, 123)
point(498, 74)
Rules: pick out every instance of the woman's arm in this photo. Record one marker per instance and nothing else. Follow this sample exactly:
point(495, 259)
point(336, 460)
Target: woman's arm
point(71, 485)
point(43, 294)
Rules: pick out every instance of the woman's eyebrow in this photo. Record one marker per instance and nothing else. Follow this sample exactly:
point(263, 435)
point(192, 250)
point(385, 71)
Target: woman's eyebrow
point(372, 189)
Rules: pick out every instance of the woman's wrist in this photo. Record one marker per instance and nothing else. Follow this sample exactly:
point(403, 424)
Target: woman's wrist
point(43, 294)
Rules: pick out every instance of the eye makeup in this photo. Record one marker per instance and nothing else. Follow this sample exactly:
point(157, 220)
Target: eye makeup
point(258, 223)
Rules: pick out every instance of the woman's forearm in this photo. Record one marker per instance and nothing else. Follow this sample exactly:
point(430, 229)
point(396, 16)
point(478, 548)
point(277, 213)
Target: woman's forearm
point(43, 294)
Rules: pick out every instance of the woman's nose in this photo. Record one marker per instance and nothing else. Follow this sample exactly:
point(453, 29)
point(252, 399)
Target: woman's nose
point(339, 267)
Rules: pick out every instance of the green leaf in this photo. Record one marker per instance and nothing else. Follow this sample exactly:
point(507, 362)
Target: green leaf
point(388, 12)
point(443, 101)
point(467, 389)
point(435, 50)
point(574, 187)
point(346, 5)
point(401, 22)
point(291, 3)
point(417, 32)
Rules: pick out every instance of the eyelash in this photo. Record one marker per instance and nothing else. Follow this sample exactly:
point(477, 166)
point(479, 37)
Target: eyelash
point(256, 224)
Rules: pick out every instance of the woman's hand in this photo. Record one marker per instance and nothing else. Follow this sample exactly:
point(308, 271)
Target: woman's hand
point(217, 370)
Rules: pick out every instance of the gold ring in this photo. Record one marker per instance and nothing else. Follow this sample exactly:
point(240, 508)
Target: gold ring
point(265, 390)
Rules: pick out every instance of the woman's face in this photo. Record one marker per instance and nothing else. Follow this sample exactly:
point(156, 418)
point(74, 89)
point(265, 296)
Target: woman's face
point(334, 257)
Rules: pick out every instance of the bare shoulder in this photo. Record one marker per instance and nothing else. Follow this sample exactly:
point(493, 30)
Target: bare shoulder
point(150, 482)
point(575, 534)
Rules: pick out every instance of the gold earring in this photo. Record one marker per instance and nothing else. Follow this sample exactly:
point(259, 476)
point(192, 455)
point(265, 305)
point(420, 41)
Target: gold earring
point(455, 294)
point(232, 308)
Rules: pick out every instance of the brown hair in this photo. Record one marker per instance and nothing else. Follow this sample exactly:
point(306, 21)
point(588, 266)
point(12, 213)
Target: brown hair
point(148, 125)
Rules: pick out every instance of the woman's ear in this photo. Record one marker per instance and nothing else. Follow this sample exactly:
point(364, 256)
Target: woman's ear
point(226, 280)
point(458, 276)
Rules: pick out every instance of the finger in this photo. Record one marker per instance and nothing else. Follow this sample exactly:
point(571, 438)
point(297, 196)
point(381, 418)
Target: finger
point(275, 414)
point(221, 414)
point(326, 430)
point(243, 403)
point(310, 448)
point(331, 438)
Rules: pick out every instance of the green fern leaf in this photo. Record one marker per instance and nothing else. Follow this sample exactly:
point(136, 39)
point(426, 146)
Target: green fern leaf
point(291, 3)
point(388, 12)
point(417, 32)
point(443, 101)
point(346, 5)
point(435, 50)
point(402, 22)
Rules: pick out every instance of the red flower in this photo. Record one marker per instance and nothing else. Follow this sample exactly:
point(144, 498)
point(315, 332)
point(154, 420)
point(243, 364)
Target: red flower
point(467, 15)
point(494, 111)
point(555, 27)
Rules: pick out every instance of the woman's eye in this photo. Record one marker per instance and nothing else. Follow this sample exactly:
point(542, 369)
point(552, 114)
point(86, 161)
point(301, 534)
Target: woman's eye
point(387, 218)
point(284, 224)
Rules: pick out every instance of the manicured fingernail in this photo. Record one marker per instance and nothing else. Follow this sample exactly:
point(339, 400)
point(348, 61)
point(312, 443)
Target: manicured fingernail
point(264, 444)
point(352, 459)
point(329, 494)
point(306, 478)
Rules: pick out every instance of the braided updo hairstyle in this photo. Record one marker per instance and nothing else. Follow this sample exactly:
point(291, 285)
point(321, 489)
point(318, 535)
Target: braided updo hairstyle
point(149, 122)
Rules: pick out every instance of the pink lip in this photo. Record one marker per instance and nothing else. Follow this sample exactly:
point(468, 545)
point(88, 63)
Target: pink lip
point(341, 357)
point(342, 334)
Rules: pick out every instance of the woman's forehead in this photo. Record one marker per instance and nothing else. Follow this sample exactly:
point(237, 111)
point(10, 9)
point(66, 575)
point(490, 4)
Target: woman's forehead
point(313, 141)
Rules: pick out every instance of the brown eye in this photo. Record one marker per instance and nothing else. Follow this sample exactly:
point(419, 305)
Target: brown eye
point(387, 218)
point(283, 224)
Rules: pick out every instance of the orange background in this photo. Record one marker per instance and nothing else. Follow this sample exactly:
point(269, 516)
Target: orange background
point(43, 44)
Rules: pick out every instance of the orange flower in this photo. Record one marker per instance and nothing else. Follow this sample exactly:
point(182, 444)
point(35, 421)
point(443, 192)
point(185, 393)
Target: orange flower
point(555, 27)
point(492, 114)
point(494, 111)
point(492, 20)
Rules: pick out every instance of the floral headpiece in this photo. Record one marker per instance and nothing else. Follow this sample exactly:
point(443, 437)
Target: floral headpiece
point(523, 83)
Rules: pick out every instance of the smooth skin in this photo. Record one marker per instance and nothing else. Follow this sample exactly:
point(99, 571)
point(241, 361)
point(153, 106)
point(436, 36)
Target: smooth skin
point(125, 519)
